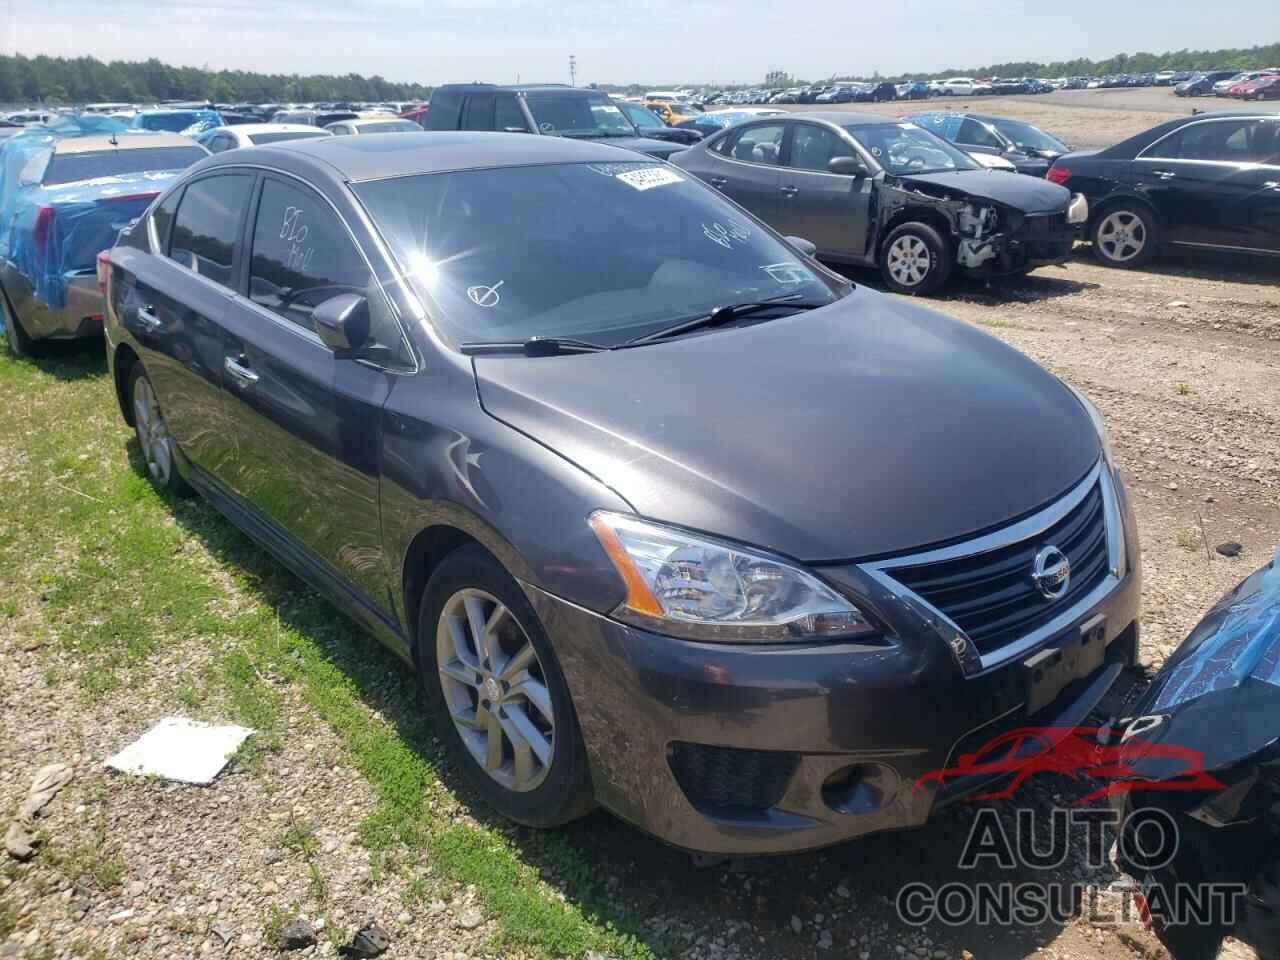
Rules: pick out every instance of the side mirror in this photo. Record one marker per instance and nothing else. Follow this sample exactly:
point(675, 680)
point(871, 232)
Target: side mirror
point(847, 166)
point(342, 322)
point(807, 247)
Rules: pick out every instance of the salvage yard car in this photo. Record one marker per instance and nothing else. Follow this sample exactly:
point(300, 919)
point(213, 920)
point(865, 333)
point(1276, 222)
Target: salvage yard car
point(875, 192)
point(257, 134)
point(385, 124)
point(63, 199)
point(1210, 181)
point(1028, 148)
point(498, 396)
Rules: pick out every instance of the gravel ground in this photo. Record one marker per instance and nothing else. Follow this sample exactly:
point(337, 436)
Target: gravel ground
point(1183, 359)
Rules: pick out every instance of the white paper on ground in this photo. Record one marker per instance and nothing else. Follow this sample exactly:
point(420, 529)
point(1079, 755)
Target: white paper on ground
point(179, 749)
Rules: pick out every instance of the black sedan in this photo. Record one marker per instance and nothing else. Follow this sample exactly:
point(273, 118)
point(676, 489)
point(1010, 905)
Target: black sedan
point(1028, 148)
point(871, 191)
point(1208, 181)
point(667, 516)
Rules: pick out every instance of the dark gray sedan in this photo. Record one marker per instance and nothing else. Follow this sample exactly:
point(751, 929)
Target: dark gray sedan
point(668, 517)
point(875, 192)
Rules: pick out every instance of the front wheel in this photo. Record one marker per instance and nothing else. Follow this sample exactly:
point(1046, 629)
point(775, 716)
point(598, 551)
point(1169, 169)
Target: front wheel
point(1124, 236)
point(500, 701)
point(915, 260)
point(153, 434)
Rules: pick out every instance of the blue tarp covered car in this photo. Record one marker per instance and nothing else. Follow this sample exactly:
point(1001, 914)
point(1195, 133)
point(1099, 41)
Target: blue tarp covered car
point(176, 121)
point(66, 190)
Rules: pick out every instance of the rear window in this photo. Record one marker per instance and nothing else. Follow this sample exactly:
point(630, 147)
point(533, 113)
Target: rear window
point(172, 122)
point(70, 167)
point(388, 126)
point(258, 139)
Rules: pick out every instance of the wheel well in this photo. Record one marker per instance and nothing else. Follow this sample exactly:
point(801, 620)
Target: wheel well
point(425, 553)
point(915, 215)
point(1095, 213)
point(124, 361)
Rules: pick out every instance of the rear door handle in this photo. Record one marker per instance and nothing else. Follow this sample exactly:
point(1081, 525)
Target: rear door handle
point(718, 182)
point(240, 371)
point(1271, 185)
point(1163, 174)
point(790, 191)
point(147, 318)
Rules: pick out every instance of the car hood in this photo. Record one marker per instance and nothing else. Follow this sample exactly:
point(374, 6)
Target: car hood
point(654, 148)
point(868, 427)
point(1028, 194)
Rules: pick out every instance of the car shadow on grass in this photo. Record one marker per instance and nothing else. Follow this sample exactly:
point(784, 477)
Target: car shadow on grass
point(68, 359)
point(620, 876)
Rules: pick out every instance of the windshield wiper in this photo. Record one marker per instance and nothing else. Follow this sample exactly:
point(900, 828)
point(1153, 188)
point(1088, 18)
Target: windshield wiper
point(719, 315)
point(534, 346)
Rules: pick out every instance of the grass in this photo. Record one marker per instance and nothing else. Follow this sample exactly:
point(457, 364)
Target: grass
point(119, 582)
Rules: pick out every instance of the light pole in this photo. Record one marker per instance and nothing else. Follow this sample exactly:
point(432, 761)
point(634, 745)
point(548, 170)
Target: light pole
point(573, 70)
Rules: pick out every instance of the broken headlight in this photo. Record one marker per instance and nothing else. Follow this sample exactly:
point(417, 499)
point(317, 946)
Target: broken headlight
point(977, 220)
point(1078, 210)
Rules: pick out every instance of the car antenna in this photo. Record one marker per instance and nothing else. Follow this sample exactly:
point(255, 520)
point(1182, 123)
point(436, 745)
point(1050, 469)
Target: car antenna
point(113, 141)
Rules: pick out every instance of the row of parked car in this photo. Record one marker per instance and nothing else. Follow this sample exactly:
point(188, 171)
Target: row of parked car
point(1241, 85)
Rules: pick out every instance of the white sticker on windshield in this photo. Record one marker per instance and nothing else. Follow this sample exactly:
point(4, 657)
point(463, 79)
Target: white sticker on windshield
point(908, 126)
point(606, 108)
point(649, 177)
point(787, 273)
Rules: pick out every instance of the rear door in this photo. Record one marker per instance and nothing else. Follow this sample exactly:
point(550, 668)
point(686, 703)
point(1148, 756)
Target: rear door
point(307, 426)
point(745, 167)
point(1202, 180)
point(829, 209)
point(175, 301)
point(1265, 223)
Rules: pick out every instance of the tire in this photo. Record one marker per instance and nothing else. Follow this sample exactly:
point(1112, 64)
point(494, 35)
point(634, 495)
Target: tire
point(159, 452)
point(515, 669)
point(909, 250)
point(1124, 235)
point(20, 343)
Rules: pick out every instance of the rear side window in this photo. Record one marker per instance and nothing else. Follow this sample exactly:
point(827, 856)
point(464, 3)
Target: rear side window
point(1222, 140)
point(478, 114)
point(72, 167)
point(162, 218)
point(759, 144)
point(265, 138)
point(302, 254)
point(207, 226)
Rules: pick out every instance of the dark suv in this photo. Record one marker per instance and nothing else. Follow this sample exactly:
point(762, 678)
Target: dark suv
point(668, 517)
point(550, 109)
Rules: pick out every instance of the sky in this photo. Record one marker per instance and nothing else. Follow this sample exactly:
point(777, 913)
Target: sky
point(646, 41)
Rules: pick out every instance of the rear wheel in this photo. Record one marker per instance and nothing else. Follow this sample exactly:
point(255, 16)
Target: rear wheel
point(500, 701)
point(153, 434)
point(20, 344)
point(915, 260)
point(1125, 235)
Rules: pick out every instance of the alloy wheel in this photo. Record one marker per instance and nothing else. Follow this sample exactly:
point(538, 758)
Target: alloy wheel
point(1122, 235)
point(495, 690)
point(153, 434)
point(909, 260)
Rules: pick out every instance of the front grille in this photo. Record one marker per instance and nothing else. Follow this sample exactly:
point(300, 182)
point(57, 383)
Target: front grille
point(729, 779)
point(991, 597)
point(1046, 236)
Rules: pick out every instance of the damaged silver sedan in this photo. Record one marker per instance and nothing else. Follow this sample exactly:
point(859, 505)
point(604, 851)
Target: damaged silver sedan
point(868, 191)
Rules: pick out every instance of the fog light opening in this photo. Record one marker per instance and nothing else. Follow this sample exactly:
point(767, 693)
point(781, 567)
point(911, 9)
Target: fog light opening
point(850, 790)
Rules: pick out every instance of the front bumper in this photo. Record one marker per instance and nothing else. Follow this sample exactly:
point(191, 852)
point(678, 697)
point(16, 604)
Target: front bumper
point(1035, 241)
point(80, 317)
point(866, 721)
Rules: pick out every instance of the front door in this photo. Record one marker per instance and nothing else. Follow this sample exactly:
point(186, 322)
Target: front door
point(307, 425)
point(828, 209)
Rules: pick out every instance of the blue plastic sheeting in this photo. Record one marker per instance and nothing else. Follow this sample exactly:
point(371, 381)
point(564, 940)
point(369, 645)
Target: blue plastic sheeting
point(186, 122)
point(1244, 647)
point(52, 234)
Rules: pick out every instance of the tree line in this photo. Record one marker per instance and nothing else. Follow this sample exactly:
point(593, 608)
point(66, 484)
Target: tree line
point(78, 80)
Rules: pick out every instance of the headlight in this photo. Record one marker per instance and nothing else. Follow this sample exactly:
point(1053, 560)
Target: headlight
point(702, 589)
point(1078, 211)
point(1098, 424)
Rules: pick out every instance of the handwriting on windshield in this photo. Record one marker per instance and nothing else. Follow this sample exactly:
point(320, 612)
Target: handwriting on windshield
point(726, 234)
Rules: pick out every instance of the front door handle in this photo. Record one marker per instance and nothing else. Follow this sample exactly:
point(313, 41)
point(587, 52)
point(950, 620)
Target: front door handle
point(790, 191)
point(718, 182)
point(147, 319)
point(1163, 174)
point(240, 371)
point(1271, 185)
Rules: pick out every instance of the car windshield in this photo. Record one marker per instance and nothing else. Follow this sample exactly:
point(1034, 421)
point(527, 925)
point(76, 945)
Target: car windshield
point(71, 167)
point(578, 116)
point(388, 126)
point(279, 135)
point(171, 122)
point(602, 252)
point(904, 149)
point(1027, 137)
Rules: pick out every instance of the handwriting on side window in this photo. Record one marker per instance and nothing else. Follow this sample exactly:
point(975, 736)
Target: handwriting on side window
point(294, 232)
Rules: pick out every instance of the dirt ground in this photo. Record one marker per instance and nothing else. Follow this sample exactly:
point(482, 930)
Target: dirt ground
point(1083, 119)
point(1183, 358)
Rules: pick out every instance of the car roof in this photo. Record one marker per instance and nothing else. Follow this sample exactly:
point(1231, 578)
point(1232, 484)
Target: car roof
point(842, 117)
point(521, 88)
point(123, 141)
point(251, 128)
point(409, 154)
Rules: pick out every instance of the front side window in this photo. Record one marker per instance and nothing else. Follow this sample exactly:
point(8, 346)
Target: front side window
point(302, 254)
point(602, 251)
point(814, 147)
point(574, 115)
point(976, 134)
point(1218, 140)
point(761, 143)
point(904, 149)
point(643, 119)
point(1027, 137)
point(507, 115)
point(206, 227)
point(162, 218)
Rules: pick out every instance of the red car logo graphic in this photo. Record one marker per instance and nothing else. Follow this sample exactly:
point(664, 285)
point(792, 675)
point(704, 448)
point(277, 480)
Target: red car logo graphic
point(1079, 753)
